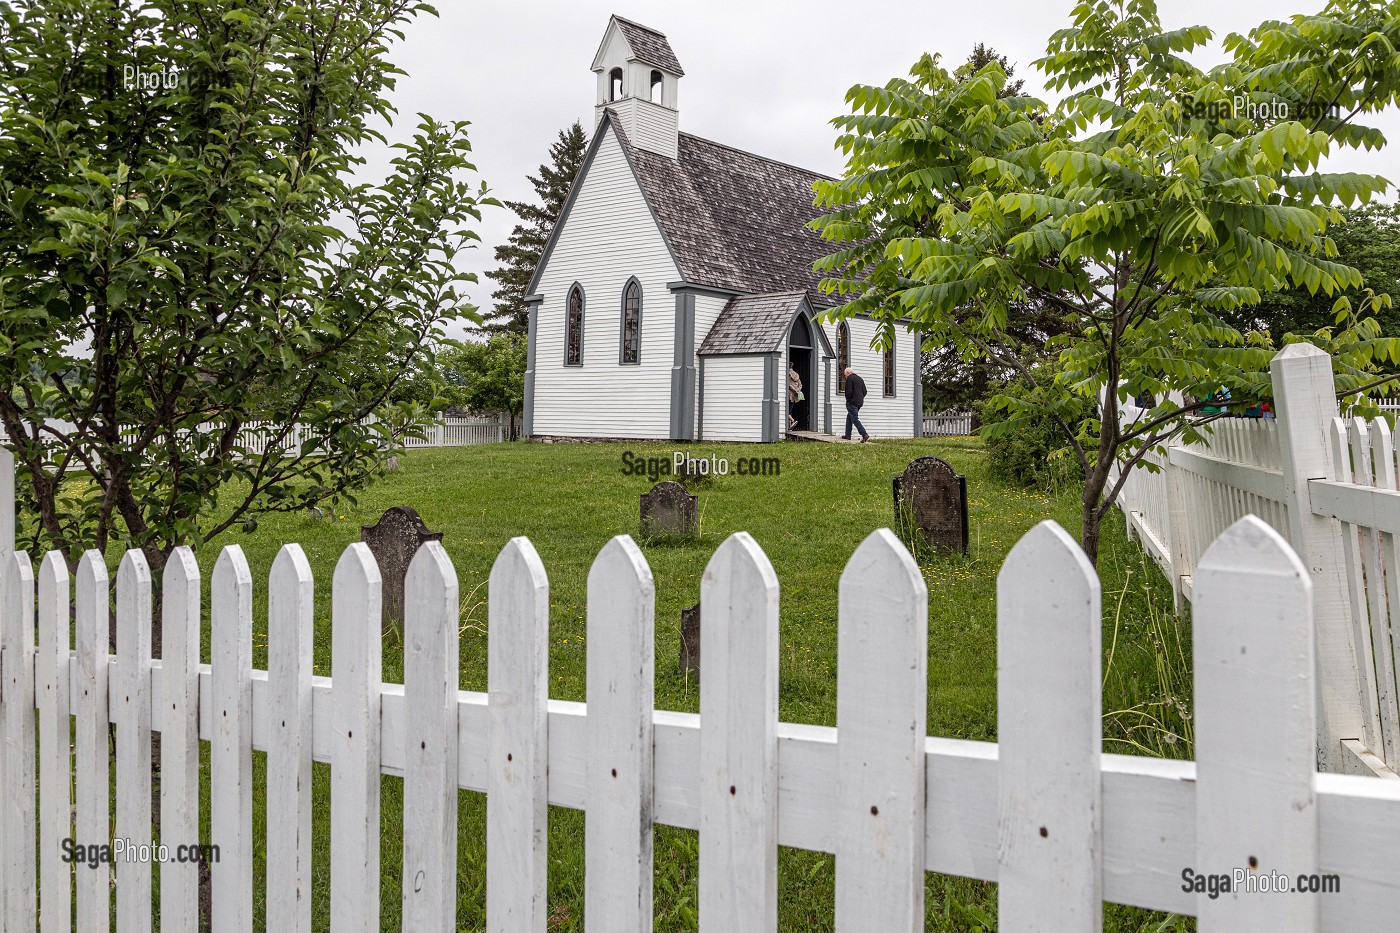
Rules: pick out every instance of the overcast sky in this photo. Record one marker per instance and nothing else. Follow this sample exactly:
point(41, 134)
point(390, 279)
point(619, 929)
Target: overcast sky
point(765, 76)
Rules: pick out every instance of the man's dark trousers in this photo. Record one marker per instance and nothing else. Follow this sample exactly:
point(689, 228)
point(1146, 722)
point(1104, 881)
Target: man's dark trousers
point(853, 418)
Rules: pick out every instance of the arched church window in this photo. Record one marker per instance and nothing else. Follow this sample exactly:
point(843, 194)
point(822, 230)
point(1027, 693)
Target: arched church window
point(656, 83)
point(843, 354)
point(631, 348)
point(615, 84)
point(889, 371)
point(573, 328)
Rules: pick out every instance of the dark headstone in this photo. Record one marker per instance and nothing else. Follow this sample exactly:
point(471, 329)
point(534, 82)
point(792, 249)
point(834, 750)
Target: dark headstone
point(393, 540)
point(669, 511)
point(931, 501)
point(690, 640)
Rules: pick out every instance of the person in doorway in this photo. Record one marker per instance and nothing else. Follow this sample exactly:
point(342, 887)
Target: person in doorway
point(855, 397)
point(794, 396)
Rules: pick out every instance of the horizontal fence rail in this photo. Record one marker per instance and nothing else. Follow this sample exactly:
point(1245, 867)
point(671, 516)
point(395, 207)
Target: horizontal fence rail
point(950, 423)
point(1057, 823)
point(1330, 487)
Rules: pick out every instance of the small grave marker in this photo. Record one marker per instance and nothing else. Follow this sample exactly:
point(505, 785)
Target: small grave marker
point(930, 501)
point(393, 540)
point(690, 640)
point(669, 511)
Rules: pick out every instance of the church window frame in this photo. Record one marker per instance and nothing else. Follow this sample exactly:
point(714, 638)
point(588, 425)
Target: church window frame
point(615, 89)
point(843, 354)
point(657, 90)
point(631, 305)
point(889, 371)
point(573, 325)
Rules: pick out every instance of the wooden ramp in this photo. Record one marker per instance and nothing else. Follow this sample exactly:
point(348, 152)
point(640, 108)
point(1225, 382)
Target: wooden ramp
point(824, 438)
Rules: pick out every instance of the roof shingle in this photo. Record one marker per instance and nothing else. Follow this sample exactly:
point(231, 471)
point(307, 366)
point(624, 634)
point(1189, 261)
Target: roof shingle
point(752, 324)
point(735, 220)
point(649, 45)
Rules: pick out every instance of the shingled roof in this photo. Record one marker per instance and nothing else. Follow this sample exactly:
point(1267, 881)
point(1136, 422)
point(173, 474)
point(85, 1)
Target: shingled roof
point(753, 324)
point(649, 45)
point(735, 220)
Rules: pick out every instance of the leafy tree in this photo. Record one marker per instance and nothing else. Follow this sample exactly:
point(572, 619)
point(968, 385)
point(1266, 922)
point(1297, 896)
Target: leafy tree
point(487, 375)
point(1142, 207)
point(1368, 239)
point(170, 270)
point(522, 252)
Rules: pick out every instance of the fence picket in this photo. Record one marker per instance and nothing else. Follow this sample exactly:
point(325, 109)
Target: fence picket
point(1050, 736)
point(55, 747)
point(231, 745)
point(1375, 602)
point(356, 668)
point(132, 700)
point(430, 672)
point(1256, 717)
point(1365, 679)
point(290, 621)
point(881, 721)
point(90, 631)
point(738, 880)
point(517, 793)
point(17, 809)
point(621, 676)
point(179, 736)
point(1389, 645)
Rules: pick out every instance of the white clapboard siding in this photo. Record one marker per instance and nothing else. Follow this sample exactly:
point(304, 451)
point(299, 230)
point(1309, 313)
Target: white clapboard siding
point(55, 746)
point(732, 409)
point(290, 629)
point(357, 669)
point(430, 754)
point(881, 712)
point(90, 630)
point(883, 416)
point(621, 676)
point(131, 702)
point(1050, 728)
point(738, 872)
point(231, 749)
point(178, 677)
point(1255, 728)
point(608, 236)
point(17, 809)
point(517, 794)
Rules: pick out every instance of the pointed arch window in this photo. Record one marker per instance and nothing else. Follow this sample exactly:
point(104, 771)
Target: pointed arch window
point(615, 84)
point(573, 328)
point(630, 347)
point(843, 354)
point(889, 371)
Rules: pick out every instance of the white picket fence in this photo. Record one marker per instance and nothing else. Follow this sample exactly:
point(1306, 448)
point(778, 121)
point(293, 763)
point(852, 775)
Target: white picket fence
point(1043, 812)
point(950, 423)
point(255, 436)
point(1329, 487)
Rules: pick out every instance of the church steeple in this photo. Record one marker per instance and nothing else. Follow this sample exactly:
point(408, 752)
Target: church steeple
point(638, 78)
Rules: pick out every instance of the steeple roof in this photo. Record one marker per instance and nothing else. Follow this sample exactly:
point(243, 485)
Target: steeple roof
point(649, 45)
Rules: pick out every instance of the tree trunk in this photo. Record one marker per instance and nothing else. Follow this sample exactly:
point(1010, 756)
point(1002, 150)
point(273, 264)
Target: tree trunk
point(1094, 482)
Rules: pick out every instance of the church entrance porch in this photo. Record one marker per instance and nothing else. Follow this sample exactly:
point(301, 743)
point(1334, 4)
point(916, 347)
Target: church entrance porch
point(802, 359)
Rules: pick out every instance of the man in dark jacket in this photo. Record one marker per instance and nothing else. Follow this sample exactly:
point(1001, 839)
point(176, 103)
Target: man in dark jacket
point(855, 397)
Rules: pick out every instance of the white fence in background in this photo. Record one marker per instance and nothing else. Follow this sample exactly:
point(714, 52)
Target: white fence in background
point(255, 436)
point(950, 423)
point(1058, 824)
point(1329, 487)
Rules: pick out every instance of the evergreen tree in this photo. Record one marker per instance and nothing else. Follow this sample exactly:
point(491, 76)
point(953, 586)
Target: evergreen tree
point(983, 55)
point(521, 253)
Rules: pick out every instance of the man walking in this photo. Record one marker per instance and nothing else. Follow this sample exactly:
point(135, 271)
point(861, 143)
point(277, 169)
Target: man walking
point(855, 397)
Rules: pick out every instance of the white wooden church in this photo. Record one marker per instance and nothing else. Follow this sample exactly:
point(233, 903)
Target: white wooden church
point(677, 285)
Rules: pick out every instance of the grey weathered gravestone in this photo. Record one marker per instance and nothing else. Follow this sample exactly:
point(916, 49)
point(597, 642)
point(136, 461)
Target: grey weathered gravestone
point(668, 510)
point(393, 540)
point(932, 497)
point(690, 640)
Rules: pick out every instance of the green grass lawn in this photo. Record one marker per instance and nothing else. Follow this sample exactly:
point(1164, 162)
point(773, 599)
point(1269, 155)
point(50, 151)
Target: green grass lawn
point(569, 499)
